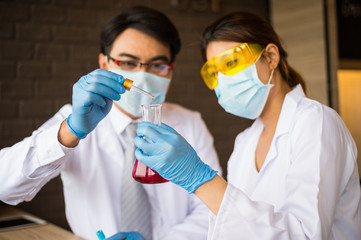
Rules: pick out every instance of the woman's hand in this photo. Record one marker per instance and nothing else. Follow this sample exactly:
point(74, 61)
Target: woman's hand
point(167, 152)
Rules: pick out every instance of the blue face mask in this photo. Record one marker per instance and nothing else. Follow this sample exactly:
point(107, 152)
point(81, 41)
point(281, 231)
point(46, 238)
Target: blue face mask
point(243, 94)
point(131, 101)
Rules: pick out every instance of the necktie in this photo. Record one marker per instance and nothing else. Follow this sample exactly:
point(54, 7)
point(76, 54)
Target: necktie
point(135, 206)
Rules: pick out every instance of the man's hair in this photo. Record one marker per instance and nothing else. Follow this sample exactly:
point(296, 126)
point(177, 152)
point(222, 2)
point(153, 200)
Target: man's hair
point(145, 20)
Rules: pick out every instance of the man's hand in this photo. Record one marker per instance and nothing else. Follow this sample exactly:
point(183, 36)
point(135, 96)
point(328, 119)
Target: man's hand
point(93, 96)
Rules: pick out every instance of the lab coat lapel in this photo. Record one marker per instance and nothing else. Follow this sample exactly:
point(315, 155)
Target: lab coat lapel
point(283, 126)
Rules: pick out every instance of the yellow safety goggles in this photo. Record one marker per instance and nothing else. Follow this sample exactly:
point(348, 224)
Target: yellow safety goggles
point(229, 62)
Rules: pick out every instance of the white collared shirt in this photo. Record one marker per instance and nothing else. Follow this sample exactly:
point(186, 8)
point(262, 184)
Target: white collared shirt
point(91, 175)
point(308, 186)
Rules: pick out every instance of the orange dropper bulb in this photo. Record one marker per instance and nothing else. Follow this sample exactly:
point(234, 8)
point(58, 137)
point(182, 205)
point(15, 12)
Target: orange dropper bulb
point(128, 84)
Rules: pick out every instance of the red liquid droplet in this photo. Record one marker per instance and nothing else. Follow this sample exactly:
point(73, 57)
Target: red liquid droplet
point(144, 174)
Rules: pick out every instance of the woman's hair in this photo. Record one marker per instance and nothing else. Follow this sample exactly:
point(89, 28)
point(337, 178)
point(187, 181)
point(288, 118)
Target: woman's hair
point(145, 20)
point(249, 28)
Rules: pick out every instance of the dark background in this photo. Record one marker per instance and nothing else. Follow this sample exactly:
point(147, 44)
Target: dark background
point(349, 32)
point(47, 45)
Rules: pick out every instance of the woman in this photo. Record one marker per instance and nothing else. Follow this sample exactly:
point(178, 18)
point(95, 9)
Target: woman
point(293, 173)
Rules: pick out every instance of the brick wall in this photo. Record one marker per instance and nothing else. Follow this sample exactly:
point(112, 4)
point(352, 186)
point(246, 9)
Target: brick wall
point(47, 45)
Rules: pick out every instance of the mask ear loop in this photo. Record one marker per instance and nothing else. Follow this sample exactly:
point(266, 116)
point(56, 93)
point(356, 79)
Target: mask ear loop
point(106, 61)
point(270, 77)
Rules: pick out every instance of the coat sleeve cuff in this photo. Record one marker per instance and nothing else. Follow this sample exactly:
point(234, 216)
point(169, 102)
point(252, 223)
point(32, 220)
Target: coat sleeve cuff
point(49, 153)
point(49, 148)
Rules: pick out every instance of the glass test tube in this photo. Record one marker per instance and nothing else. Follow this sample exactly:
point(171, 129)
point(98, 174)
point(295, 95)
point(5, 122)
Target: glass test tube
point(141, 172)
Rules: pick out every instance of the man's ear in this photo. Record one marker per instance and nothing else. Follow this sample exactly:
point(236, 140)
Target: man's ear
point(173, 64)
point(102, 60)
point(272, 55)
point(171, 76)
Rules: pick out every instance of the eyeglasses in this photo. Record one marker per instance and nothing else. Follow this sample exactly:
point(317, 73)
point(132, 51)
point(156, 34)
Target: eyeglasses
point(161, 69)
point(229, 62)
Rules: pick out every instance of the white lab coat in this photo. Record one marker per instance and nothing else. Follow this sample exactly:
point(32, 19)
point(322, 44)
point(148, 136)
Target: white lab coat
point(308, 186)
point(91, 175)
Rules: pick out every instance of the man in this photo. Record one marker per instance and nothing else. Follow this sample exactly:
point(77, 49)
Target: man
point(87, 143)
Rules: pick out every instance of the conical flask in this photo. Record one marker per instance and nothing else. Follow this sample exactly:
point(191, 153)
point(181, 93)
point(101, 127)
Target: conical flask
point(142, 173)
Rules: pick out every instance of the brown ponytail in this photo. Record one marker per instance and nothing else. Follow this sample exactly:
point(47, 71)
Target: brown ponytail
point(290, 75)
point(247, 27)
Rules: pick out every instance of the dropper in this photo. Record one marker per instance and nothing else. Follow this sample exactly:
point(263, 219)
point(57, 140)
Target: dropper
point(128, 84)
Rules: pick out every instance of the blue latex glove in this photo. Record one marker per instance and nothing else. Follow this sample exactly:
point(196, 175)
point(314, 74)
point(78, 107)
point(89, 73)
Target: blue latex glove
point(171, 156)
point(93, 97)
point(126, 236)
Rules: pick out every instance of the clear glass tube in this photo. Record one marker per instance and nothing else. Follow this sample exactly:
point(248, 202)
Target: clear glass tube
point(128, 84)
point(134, 88)
point(142, 173)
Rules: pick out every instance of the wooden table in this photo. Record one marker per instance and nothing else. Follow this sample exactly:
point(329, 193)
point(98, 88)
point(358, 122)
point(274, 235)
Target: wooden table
point(41, 231)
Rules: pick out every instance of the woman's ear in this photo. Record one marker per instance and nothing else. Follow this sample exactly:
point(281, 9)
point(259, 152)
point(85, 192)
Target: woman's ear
point(272, 55)
point(102, 61)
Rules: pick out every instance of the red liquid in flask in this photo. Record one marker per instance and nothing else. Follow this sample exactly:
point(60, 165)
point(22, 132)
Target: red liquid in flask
point(141, 172)
point(144, 174)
